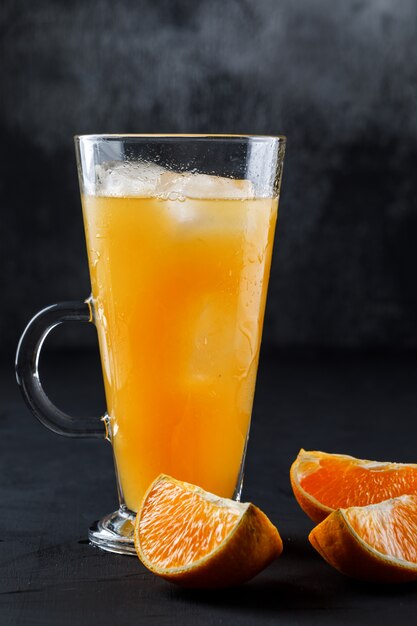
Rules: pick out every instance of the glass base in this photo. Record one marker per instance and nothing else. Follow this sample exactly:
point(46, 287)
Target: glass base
point(114, 533)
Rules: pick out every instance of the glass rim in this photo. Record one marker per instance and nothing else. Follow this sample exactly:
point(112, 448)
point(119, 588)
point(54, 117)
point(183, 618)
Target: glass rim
point(178, 136)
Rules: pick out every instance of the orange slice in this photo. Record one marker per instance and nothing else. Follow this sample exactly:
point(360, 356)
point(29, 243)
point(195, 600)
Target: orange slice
point(377, 543)
point(191, 537)
point(324, 482)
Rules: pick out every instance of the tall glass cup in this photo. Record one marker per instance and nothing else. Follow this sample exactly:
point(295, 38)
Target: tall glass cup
point(179, 233)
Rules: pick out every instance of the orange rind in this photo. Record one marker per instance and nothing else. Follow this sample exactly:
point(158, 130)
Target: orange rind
point(375, 543)
point(324, 482)
point(193, 538)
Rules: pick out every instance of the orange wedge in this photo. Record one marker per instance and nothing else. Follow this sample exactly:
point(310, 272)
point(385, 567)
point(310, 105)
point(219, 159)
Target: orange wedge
point(324, 482)
point(377, 543)
point(191, 537)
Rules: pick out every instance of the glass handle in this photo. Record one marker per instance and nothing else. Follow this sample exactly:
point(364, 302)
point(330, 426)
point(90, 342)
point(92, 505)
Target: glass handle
point(27, 373)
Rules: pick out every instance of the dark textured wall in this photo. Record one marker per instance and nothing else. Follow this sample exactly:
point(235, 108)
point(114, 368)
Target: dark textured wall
point(338, 78)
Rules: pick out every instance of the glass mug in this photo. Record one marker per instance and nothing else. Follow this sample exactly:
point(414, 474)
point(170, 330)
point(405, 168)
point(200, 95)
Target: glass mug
point(179, 233)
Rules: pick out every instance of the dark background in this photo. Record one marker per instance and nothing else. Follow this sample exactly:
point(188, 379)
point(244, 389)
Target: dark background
point(339, 368)
point(338, 78)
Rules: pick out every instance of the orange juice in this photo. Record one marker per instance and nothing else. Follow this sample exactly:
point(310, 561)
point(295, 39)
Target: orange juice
point(178, 292)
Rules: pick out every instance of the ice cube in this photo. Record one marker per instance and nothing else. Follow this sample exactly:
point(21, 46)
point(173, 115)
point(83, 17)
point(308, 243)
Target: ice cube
point(210, 334)
point(128, 178)
point(175, 185)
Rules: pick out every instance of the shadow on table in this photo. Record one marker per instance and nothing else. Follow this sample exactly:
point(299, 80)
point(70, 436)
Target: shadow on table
point(264, 595)
point(298, 581)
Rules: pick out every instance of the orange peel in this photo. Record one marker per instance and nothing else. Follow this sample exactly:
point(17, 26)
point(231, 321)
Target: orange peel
point(193, 538)
point(376, 543)
point(324, 482)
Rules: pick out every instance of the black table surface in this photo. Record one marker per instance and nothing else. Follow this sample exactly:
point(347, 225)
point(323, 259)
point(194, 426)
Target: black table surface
point(52, 488)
